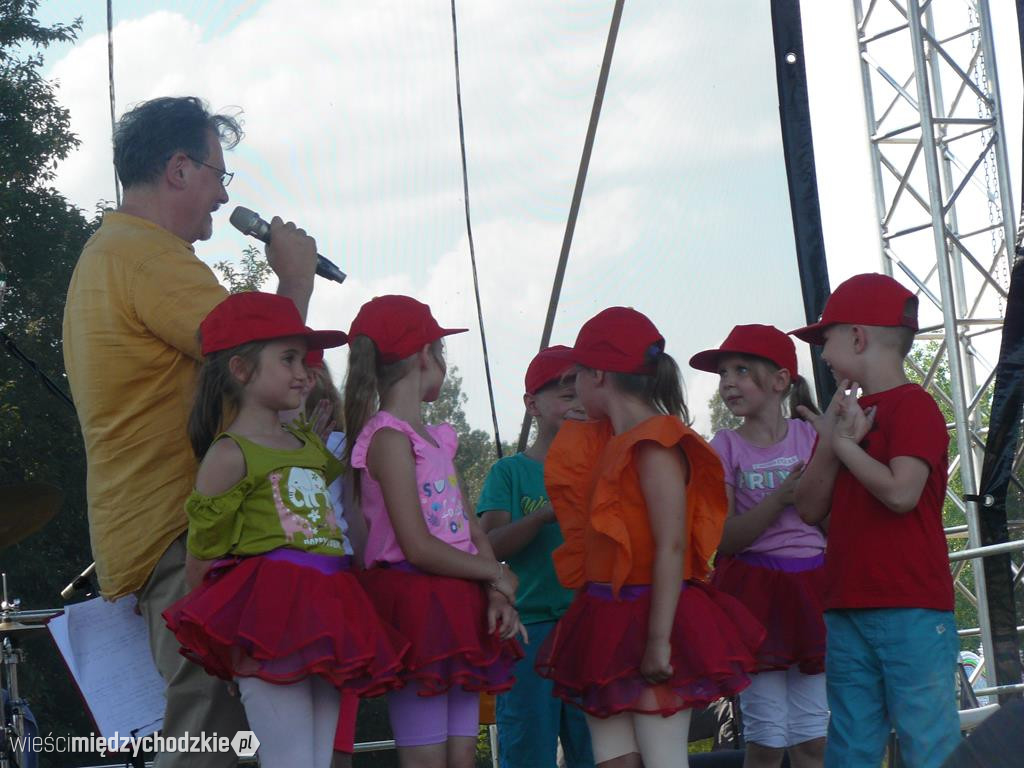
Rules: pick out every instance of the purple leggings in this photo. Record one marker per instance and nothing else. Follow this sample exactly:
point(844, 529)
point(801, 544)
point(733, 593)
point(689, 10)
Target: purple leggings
point(420, 720)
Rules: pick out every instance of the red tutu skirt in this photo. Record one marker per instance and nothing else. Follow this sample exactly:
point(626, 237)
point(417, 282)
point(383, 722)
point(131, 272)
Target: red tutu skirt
point(284, 616)
point(594, 653)
point(445, 619)
point(785, 595)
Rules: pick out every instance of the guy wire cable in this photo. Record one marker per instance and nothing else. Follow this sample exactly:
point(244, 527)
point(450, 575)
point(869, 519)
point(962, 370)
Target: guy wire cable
point(577, 195)
point(110, 80)
point(469, 232)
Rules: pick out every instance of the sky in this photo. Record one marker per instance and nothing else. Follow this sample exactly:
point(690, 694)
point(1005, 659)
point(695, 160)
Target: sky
point(351, 131)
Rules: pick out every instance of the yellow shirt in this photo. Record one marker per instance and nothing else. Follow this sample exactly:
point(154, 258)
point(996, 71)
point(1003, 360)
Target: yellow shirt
point(131, 353)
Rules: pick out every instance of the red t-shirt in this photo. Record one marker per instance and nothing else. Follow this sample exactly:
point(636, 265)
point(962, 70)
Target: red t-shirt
point(877, 558)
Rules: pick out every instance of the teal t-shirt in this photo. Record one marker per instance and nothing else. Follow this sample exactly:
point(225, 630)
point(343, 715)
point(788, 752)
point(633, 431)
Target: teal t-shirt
point(516, 485)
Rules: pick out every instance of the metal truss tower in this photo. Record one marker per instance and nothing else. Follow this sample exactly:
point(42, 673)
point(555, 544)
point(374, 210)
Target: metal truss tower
point(942, 189)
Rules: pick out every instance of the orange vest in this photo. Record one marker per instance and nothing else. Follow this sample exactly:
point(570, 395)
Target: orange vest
point(595, 491)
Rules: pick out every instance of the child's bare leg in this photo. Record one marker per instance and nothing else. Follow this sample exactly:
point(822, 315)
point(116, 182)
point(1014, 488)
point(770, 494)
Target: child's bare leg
point(461, 752)
point(426, 756)
point(632, 760)
point(809, 754)
point(760, 756)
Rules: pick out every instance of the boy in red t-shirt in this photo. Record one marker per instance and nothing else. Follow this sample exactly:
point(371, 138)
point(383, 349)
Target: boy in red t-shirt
point(879, 471)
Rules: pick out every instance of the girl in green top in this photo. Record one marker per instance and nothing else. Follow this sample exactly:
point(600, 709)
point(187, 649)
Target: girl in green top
point(274, 607)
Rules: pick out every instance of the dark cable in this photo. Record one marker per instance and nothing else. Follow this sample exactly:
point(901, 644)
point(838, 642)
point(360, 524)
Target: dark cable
point(469, 232)
point(8, 343)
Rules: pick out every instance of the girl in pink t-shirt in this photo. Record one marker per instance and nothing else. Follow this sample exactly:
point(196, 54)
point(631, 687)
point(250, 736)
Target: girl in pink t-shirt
point(768, 557)
point(428, 564)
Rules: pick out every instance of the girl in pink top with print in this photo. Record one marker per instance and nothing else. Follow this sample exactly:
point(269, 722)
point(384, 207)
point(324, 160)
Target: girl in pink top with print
point(430, 570)
point(768, 557)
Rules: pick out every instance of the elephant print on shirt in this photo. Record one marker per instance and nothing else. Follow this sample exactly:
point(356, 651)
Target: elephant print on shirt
point(308, 509)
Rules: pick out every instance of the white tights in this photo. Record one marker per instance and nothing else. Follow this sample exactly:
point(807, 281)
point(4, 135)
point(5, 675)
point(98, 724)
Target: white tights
point(660, 741)
point(294, 723)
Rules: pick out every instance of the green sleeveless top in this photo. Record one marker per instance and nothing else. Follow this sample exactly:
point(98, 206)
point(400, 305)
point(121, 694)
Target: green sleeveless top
point(281, 502)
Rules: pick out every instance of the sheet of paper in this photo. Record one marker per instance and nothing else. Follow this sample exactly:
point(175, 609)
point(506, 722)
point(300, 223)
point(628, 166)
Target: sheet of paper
point(106, 647)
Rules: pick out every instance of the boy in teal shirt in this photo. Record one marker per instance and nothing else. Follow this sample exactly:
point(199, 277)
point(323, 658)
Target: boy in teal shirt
point(516, 514)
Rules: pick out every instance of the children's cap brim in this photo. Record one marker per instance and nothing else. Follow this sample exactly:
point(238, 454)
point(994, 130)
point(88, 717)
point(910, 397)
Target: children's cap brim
point(812, 334)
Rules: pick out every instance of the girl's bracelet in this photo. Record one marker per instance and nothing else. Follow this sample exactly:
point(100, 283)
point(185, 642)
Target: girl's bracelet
point(501, 573)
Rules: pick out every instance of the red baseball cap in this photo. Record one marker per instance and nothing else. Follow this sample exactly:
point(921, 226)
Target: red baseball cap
point(256, 316)
point(398, 325)
point(314, 358)
point(765, 341)
point(868, 299)
point(549, 365)
point(618, 339)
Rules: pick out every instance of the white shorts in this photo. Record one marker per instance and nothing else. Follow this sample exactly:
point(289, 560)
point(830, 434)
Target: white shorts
point(785, 708)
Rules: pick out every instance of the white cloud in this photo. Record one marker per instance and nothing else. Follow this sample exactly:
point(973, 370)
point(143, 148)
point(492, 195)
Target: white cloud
point(352, 132)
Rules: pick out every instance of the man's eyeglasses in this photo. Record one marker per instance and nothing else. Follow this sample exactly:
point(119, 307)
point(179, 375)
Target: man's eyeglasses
point(225, 177)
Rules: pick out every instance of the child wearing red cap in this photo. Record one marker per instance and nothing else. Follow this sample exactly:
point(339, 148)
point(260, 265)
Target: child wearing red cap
point(641, 500)
point(430, 569)
point(276, 610)
point(879, 473)
point(516, 513)
point(770, 559)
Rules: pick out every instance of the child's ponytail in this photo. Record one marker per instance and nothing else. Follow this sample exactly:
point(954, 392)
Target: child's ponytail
point(800, 394)
point(667, 388)
point(215, 388)
point(361, 390)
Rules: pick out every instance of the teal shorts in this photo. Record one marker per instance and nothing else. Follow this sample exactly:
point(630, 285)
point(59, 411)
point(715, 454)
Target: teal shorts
point(891, 668)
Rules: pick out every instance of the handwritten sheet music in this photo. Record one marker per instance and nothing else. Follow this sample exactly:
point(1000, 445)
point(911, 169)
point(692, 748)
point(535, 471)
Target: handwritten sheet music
point(106, 647)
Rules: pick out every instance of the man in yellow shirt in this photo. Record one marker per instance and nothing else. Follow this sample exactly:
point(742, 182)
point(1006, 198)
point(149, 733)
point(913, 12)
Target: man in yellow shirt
point(131, 352)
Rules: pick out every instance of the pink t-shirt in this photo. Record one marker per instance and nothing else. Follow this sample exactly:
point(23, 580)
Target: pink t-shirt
point(440, 495)
point(755, 472)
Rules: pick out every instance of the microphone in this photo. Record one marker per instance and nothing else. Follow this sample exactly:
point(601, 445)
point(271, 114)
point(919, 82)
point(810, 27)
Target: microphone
point(81, 582)
point(249, 223)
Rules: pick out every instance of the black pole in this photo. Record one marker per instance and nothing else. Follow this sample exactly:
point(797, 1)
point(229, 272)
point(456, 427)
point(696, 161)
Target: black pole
point(798, 147)
point(998, 483)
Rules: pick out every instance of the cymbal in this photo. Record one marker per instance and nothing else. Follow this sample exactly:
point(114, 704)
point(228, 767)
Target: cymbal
point(15, 621)
point(25, 508)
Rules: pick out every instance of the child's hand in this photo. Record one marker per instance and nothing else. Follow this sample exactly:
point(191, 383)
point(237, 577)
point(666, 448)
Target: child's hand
point(506, 583)
point(655, 667)
point(824, 423)
point(546, 514)
point(503, 616)
point(852, 422)
point(786, 494)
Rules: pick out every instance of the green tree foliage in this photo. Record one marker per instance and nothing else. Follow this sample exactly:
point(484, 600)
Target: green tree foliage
point(721, 416)
point(41, 236)
point(250, 275)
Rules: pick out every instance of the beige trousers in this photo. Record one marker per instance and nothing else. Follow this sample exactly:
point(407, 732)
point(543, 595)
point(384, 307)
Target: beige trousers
point(196, 701)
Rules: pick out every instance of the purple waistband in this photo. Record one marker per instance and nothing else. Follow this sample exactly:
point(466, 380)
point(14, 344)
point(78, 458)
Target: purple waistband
point(786, 564)
point(324, 563)
point(400, 565)
point(626, 591)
